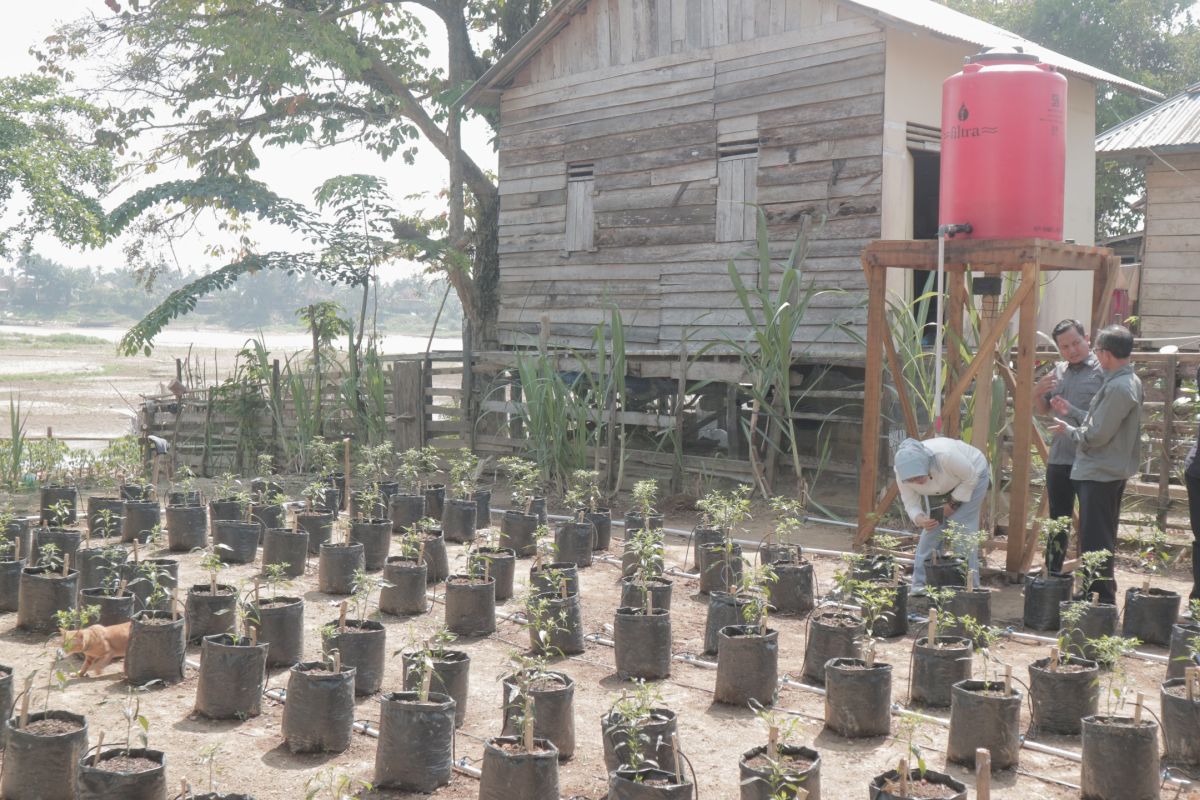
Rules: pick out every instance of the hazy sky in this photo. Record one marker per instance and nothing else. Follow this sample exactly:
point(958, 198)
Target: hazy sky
point(294, 172)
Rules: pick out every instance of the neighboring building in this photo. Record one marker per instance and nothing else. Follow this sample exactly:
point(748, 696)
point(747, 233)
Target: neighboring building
point(1165, 140)
point(637, 135)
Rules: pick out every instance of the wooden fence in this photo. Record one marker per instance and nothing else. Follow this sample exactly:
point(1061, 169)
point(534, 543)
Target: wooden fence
point(429, 401)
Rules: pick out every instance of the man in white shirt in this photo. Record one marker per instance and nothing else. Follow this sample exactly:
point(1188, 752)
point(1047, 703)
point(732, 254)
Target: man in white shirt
point(941, 466)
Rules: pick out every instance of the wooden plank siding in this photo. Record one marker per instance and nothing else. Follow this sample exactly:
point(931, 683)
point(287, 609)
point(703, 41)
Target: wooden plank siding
point(1170, 281)
point(643, 90)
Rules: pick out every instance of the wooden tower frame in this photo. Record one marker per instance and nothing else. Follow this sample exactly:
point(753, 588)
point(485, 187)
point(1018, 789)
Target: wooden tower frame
point(1028, 257)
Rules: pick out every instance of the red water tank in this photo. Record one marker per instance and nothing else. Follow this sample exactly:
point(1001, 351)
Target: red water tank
point(1003, 158)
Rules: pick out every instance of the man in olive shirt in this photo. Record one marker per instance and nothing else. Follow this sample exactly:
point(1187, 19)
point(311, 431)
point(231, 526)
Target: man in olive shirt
point(1107, 443)
point(1076, 379)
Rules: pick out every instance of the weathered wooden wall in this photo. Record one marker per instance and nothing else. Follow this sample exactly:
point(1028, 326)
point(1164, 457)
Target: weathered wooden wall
point(643, 91)
point(1169, 297)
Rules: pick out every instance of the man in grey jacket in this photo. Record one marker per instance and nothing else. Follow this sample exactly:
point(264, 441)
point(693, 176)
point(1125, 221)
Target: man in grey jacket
point(1107, 449)
point(1076, 379)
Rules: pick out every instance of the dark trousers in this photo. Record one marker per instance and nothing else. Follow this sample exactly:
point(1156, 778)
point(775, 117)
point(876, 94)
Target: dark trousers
point(1193, 489)
point(1099, 514)
point(1061, 493)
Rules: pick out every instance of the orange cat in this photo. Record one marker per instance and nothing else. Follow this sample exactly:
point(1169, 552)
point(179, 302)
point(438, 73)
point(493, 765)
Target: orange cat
point(100, 644)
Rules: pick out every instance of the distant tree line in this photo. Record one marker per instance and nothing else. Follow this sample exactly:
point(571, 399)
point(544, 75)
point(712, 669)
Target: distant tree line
point(38, 288)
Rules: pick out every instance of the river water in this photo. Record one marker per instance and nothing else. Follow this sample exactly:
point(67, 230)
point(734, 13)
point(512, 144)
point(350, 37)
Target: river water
point(207, 339)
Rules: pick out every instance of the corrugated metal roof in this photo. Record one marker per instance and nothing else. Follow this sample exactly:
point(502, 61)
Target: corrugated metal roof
point(923, 14)
point(1172, 123)
point(944, 21)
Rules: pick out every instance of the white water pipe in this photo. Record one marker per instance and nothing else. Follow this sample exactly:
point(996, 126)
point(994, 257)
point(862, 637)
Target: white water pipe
point(1032, 638)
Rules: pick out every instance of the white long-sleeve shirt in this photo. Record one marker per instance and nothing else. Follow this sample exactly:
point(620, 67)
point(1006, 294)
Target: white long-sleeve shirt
point(956, 470)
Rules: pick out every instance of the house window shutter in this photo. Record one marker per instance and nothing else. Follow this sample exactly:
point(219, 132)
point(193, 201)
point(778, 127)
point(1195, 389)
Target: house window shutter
point(581, 221)
point(737, 187)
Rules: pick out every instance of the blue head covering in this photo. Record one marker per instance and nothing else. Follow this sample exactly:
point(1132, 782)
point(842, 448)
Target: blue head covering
point(913, 460)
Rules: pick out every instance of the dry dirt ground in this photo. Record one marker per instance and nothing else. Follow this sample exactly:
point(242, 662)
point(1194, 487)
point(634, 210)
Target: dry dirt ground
point(254, 760)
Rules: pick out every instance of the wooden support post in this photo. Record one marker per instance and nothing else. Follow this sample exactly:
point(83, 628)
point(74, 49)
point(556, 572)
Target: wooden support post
point(868, 473)
point(1167, 440)
point(1104, 282)
point(1022, 420)
point(988, 313)
point(952, 416)
point(983, 774)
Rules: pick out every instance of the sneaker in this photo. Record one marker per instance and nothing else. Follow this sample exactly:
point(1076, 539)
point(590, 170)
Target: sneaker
point(917, 591)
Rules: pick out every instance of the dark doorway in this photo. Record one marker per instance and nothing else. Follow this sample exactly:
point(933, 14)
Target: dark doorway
point(926, 188)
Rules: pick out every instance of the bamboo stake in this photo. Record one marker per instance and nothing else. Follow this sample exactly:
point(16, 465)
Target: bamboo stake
point(426, 681)
point(1146, 586)
point(252, 635)
point(1095, 598)
point(66, 568)
point(773, 743)
point(26, 696)
point(136, 556)
point(174, 603)
point(931, 635)
point(528, 723)
point(678, 760)
point(337, 661)
point(121, 587)
point(1137, 709)
point(342, 617)
point(983, 774)
point(1008, 679)
point(1190, 675)
point(99, 747)
point(17, 547)
point(649, 603)
point(1053, 665)
point(564, 589)
point(212, 583)
point(257, 598)
point(903, 777)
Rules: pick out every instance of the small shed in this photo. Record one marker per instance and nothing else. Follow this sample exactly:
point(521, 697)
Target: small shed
point(1165, 141)
point(637, 138)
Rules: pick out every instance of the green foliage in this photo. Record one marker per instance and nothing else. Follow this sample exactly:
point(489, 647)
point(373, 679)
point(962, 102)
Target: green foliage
point(774, 318)
point(50, 557)
point(627, 719)
point(755, 587)
point(75, 619)
point(1052, 534)
point(584, 492)
point(365, 586)
point(554, 413)
point(725, 510)
point(543, 620)
point(1153, 552)
point(132, 712)
point(12, 456)
point(1108, 651)
point(333, 784)
point(646, 544)
point(525, 479)
point(238, 78)
point(51, 165)
point(645, 493)
point(1090, 569)
point(464, 470)
point(984, 638)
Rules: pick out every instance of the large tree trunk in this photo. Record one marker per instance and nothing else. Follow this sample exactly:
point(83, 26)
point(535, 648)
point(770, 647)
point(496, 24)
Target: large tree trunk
point(486, 271)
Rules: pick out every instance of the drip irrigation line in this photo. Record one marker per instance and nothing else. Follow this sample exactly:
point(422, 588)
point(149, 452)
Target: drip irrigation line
point(1032, 638)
